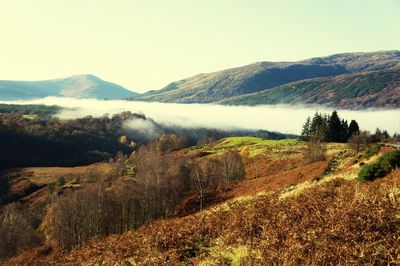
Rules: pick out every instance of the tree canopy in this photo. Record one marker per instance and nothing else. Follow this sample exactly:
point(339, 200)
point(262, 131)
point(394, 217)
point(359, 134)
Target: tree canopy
point(329, 128)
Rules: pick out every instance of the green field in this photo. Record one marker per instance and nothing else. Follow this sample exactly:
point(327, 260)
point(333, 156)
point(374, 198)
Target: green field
point(30, 117)
point(256, 146)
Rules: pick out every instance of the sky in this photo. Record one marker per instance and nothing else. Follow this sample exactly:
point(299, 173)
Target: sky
point(145, 45)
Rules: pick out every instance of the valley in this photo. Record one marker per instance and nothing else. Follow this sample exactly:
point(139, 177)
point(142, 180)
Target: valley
point(281, 200)
point(204, 133)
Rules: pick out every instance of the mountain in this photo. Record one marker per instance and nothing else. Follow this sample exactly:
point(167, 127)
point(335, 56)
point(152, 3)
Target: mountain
point(78, 86)
point(352, 91)
point(264, 76)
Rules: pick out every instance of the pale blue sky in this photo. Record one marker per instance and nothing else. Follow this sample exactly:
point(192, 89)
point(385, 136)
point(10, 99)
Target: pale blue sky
point(145, 45)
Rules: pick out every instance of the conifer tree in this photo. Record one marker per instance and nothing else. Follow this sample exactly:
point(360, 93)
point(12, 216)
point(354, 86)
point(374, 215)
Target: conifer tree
point(344, 133)
point(353, 128)
point(306, 132)
point(318, 126)
point(328, 128)
point(334, 128)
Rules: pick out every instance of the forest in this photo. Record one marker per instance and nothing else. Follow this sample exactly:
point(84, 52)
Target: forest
point(146, 185)
point(45, 140)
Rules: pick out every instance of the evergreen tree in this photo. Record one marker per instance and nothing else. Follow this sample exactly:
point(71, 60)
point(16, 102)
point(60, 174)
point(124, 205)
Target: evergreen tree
point(345, 130)
point(306, 132)
point(318, 126)
point(353, 128)
point(385, 134)
point(334, 129)
point(329, 128)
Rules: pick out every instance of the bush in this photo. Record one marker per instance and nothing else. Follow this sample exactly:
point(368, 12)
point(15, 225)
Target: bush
point(371, 151)
point(315, 151)
point(60, 181)
point(381, 167)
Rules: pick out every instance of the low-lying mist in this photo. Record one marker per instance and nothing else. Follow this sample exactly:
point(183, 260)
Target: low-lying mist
point(281, 118)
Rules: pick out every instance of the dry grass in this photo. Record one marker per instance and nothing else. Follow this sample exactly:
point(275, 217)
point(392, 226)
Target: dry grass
point(286, 216)
point(258, 147)
point(48, 175)
point(340, 222)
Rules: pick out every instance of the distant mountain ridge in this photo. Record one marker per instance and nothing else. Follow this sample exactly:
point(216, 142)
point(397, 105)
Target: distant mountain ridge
point(78, 86)
point(377, 89)
point(250, 84)
point(347, 80)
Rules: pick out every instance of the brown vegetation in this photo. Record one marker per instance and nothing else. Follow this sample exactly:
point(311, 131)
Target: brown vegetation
point(147, 192)
point(338, 223)
point(146, 186)
point(358, 141)
point(211, 173)
point(315, 151)
point(16, 230)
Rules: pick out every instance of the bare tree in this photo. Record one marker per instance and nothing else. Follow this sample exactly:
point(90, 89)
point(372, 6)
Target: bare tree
point(231, 166)
point(315, 151)
point(16, 230)
point(358, 140)
point(168, 143)
point(204, 176)
point(76, 216)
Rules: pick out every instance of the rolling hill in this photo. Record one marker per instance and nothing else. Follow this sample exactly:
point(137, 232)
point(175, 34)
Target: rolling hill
point(265, 76)
point(361, 90)
point(78, 86)
point(284, 212)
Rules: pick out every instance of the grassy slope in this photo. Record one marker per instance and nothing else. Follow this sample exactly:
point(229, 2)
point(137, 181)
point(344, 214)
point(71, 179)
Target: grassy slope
point(211, 87)
point(31, 185)
point(219, 86)
point(335, 220)
point(257, 146)
point(375, 89)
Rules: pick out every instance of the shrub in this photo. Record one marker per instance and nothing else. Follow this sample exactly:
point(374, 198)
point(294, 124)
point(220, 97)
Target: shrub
point(315, 151)
point(371, 151)
point(381, 167)
point(60, 181)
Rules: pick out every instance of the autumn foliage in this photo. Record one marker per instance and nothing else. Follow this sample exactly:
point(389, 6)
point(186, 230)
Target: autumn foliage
point(338, 223)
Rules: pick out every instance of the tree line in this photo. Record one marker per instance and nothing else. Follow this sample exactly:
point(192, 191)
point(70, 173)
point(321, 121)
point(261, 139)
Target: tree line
point(45, 141)
point(329, 128)
point(31, 136)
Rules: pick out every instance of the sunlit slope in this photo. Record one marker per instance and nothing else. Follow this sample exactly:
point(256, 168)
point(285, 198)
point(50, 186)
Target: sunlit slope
point(372, 89)
point(263, 76)
point(333, 219)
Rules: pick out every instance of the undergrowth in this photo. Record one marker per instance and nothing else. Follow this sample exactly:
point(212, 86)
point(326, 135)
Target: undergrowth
point(340, 222)
point(381, 167)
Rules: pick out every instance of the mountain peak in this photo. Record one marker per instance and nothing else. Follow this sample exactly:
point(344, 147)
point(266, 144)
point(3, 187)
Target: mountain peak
point(84, 77)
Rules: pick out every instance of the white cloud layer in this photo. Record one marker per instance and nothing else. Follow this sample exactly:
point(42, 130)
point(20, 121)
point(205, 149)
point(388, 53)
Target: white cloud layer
point(282, 118)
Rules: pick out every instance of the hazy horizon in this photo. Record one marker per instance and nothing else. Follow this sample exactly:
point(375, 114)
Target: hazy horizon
point(279, 118)
point(146, 45)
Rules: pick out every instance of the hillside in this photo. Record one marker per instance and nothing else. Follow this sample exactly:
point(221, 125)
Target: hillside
point(285, 212)
point(78, 86)
point(33, 185)
point(371, 89)
point(262, 76)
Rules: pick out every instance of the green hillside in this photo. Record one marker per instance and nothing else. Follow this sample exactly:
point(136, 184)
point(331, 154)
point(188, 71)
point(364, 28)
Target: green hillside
point(372, 89)
point(264, 76)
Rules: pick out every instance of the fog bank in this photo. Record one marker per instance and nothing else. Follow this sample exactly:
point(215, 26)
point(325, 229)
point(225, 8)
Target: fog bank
point(281, 118)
